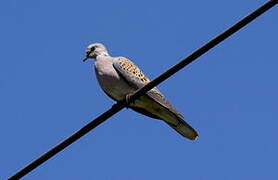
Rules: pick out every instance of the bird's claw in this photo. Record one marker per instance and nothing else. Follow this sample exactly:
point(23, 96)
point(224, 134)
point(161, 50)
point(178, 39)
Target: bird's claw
point(127, 99)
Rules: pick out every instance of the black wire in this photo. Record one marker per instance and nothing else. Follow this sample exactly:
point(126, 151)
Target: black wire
point(120, 105)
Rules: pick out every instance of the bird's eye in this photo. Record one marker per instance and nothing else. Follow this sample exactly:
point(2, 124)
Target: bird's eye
point(93, 48)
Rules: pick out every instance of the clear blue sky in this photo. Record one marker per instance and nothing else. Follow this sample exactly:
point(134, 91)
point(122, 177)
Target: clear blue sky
point(229, 95)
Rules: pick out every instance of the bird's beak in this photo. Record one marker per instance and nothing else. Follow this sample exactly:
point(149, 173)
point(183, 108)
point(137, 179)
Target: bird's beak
point(85, 59)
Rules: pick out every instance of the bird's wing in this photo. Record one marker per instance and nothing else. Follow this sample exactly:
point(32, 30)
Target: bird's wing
point(154, 103)
point(136, 79)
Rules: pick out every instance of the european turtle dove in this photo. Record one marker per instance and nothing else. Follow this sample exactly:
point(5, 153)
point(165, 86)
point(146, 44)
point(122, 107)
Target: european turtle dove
point(119, 77)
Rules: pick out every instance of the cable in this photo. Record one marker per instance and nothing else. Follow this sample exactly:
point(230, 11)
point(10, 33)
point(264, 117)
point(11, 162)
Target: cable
point(120, 105)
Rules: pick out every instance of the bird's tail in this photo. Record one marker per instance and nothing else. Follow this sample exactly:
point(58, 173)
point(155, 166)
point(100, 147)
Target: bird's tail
point(183, 128)
point(154, 109)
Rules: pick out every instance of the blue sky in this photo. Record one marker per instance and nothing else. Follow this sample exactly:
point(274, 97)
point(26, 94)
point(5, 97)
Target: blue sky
point(229, 95)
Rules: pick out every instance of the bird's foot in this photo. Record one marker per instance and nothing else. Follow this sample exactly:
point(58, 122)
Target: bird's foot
point(128, 100)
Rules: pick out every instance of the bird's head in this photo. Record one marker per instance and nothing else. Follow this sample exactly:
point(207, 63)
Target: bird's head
point(94, 50)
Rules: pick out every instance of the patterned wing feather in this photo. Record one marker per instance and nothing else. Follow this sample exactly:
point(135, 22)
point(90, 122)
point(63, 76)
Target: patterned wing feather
point(136, 78)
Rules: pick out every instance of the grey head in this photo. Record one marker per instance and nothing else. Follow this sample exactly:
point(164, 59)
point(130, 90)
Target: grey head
point(94, 50)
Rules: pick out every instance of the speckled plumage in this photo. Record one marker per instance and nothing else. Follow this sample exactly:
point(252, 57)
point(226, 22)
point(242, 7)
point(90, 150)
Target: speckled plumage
point(118, 77)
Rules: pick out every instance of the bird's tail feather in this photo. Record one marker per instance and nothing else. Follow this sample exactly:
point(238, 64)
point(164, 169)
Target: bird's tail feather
point(183, 129)
point(177, 122)
point(151, 108)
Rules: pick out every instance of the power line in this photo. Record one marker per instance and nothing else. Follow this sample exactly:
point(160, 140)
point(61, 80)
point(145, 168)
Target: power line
point(120, 105)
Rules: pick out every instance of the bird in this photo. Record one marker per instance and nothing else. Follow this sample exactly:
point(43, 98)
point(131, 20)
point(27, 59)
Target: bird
point(119, 77)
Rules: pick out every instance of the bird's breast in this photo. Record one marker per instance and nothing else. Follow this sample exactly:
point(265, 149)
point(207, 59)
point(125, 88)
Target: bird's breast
point(110, 81)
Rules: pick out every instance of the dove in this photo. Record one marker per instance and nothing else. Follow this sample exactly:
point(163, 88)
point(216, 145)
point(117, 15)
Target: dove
point(119, 77)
